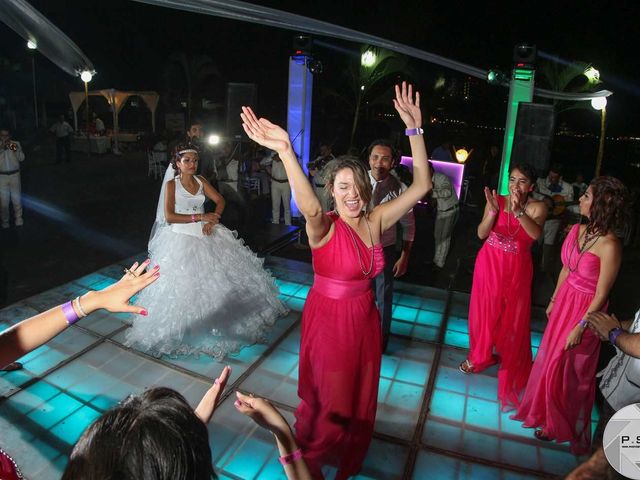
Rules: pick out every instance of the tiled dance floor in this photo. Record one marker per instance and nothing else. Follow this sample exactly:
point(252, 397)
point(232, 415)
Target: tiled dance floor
point(432, 423)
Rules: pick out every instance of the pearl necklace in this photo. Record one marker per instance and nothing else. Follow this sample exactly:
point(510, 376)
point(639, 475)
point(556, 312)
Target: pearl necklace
point(355, 245)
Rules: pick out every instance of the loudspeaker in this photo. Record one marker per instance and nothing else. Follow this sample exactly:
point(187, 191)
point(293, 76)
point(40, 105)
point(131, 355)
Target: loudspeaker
point(533, 136)
point(525, 55)
point(238, 95)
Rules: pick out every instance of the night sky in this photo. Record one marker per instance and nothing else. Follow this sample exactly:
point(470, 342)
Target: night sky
point(128, 42)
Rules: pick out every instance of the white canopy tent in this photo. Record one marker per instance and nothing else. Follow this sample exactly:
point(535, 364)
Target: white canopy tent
point(116, 100)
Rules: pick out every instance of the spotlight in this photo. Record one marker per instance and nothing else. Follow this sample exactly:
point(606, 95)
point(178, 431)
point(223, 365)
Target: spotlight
point(315, 66)
point(496, 77)
point(213, 139)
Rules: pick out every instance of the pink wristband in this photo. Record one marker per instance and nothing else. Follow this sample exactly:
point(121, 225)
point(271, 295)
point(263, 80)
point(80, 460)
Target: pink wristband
point(292, 457)
point(69, 313)
point(193, 218)
point(492, 213)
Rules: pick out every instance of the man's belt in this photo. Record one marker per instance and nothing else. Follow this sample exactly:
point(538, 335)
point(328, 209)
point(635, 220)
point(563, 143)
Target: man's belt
point(286, 180)
point(11, 172)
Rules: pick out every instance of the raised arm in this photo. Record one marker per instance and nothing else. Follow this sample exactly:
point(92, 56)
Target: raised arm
point(269, 135)
point(408, 107)
point(31, 333)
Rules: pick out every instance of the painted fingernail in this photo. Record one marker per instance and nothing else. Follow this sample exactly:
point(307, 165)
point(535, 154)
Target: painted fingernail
point(144, 313)
point(216, 381)
point(237, 403)
point(157, 274)
point(156, 267)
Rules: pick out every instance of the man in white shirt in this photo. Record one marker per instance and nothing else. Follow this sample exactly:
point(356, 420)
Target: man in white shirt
point(556, 193)
point(447, 212)
point(11, 155)
point(318, 174)
point(62, 130)
point(100, 129)
point(387, 187)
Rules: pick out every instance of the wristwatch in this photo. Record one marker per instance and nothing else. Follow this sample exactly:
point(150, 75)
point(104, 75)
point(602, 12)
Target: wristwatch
point(614, 333)
point(409, 132)
point(520, 213)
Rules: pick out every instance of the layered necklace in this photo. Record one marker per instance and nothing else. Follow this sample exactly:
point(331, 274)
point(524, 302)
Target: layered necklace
point(588, 241)
point(355, 245)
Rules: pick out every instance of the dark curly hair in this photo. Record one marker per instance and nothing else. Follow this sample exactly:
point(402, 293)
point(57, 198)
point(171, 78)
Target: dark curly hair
point(609, 203)
point(176, 155)
point(526, 169)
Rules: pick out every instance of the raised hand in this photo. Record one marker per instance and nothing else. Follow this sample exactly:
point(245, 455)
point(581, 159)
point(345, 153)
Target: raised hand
point(516, 199)
point(264, 132)
point(492, 199)
point(210, 400)
point(263, 413)
point(115, 298)
point(407, 106)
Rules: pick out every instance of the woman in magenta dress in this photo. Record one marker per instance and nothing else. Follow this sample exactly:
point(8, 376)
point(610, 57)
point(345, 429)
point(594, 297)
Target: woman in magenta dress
point(500, 308)
point(340, 350)
point(560, 391)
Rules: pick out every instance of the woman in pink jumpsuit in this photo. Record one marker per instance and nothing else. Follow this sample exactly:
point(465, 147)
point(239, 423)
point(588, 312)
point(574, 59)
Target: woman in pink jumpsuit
point(500, 308)
point(340, 349)
point(560, 391)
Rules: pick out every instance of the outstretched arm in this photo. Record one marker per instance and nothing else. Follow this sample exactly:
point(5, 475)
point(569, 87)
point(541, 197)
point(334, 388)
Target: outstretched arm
point(408, 107)
point(31, 333)
point(272, 136)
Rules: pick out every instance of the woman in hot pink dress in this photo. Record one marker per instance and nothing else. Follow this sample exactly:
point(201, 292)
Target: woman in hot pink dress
point(500, 307)
point(340, 349)
point(560, 391)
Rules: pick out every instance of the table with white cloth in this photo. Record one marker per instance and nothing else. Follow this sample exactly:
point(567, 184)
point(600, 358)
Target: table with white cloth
point(95, 144)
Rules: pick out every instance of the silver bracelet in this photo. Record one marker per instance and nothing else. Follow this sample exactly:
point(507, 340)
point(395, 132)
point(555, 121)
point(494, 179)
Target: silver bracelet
point(82, 312)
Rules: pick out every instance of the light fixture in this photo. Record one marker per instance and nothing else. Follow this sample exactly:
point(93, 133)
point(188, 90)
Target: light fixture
point(592, 74)
point(462, 154)
point(599, 103)
point(368, 58)
point(213, 139)
point(86, 76)
point(31, 45)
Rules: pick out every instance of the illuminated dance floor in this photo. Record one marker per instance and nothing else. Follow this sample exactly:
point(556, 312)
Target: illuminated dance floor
point(433, 422)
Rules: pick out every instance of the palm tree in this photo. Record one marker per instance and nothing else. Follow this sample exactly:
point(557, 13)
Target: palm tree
point(573, 78)
point(190, 72)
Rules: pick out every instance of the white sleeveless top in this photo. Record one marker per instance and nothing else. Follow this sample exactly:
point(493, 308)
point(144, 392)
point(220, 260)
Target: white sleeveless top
point(188, 204)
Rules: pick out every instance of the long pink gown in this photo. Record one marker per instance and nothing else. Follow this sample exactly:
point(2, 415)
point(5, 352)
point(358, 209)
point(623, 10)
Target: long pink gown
point(500, 307)
point(340, 355)
point(560, 392)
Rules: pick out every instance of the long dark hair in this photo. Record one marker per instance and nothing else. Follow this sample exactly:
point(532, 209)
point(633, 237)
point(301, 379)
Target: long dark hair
point(155, 436)
point(608, 211)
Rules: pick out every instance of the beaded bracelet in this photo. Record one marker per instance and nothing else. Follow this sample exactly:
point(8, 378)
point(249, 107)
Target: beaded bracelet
point(70, 313)
point(292, 457)
point(583, 323)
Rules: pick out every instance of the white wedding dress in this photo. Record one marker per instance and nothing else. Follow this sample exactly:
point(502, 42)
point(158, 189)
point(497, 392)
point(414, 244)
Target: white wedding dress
point(213, 295)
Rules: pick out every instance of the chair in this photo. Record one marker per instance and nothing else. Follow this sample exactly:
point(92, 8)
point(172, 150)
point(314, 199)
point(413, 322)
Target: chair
point(252, 184)
point(156, 161)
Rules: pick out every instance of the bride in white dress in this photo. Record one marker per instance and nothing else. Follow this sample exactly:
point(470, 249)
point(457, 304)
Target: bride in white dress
point(213, 296)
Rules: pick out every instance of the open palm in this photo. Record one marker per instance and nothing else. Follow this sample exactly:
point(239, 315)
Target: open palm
point(408, 105)
point(264, 132)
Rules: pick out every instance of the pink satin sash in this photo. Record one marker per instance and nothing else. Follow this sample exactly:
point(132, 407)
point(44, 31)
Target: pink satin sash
point(337, 289)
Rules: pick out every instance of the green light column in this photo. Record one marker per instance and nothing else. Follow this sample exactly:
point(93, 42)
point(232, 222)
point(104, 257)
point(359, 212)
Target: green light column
point(520, 90)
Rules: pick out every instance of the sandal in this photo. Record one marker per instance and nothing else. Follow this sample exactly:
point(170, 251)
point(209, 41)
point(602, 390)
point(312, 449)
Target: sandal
point(541, 435)
point(467, 367)
point(12, 367)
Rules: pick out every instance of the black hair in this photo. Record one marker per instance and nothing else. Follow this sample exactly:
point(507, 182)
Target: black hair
point(155, 436)
point(557, 168)
point(526, 169)
point(383, 142)
point(175, 158)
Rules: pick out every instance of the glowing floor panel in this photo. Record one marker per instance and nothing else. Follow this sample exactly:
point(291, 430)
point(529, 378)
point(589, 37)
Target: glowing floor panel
point(432, 421)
